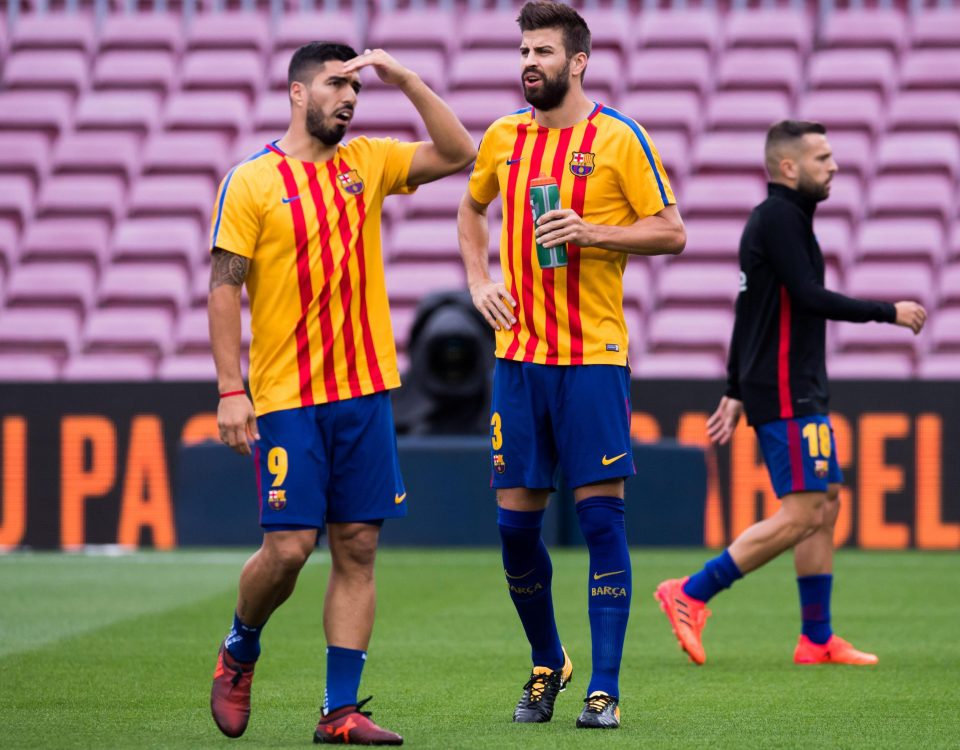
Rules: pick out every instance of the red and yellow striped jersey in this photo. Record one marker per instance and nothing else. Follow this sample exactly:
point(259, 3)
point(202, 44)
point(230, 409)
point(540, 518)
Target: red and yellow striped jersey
point(610, 173)
point(320, 318)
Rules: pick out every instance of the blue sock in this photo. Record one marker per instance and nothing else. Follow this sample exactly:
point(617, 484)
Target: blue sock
point(344, 667)
point(243, 641)
point(529, 572)
point(815, 606)
point(609, 589)
point(718, 574)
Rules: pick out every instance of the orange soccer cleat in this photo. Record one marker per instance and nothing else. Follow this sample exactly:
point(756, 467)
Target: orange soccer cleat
point(349, 725)
point(687, 617)
point(230, 694)
point(834, 651)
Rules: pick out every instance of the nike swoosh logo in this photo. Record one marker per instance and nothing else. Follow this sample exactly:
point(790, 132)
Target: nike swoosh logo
point(598, 576)
point(524, 575)
point(290, 200)
point(607, 461)
point(399, 498)
point(511, 162)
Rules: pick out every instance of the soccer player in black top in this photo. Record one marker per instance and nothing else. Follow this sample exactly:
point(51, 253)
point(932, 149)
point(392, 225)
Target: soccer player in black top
point(777, 375)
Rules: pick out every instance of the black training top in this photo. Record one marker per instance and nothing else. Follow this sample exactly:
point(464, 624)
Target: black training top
point(777, 362)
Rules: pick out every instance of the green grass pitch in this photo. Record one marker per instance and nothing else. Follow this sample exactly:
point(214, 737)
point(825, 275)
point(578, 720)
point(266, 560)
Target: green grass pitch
point(117, 652)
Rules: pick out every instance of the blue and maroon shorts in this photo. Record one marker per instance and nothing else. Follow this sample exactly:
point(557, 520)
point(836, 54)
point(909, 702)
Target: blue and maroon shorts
point(800, 453)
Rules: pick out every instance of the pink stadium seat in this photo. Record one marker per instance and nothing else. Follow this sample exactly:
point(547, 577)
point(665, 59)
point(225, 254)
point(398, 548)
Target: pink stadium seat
point(192, 334)
point(637, 285)
point(604, 77)
point(907, 195)
point(229, 30)
point(860, 111)
point(165, 195)
point(16, 198)
point(385, 113)
point(892, 282)
point(52, 333)
point(151, 285)
point(429, 64)
point(925, 110)
point(688, 284)
point(28, 368)
point(635, 332)
point(477, 113)
point(835, 239)
point(52, 286)
point(846, 198)
point(715, 196)
point(497, 28)
point(164, 239)
point(116, 154)
point(683, 365)
point(424, 240)
point(141, 32)
point(71, 196)
point(71, 239)
point(671, 70)
point(408, 283)
point(953, 246)
point(901, 239)
point(9, 247)
point(864, 29)
point(130, 69)
point(179, 367)
point(25, 153)
point(870, 69)
point(874, 365)
point(945, 331)
point(746, 110)
point(659, 110)
point(696, 330)
point(935, 27)
point(35, 111)
point(760, 69)
point(931, 69)
point(730, 153)
point(688, 29)
point(775, 27)
point(135, 330)
point(109, 368)
point(949, 292)
point(223, 70)
point(853, 152)
point(272, 112)
point(610, 29)
point(277, 69)
point(296, 29)
point(674, 150)
point(53, 31)
point(222, 112)
point(485, 69)
point(874, 338)
point(926, 153)
point(200, 283)
point(136, 111)
point(439, 199)
point(420, 30)
point(202, 154)
point(712, 239)
point(939, 367)
point(402, 317)
point(53, 70)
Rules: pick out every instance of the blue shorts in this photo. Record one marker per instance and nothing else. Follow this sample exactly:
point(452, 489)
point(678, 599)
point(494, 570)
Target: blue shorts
point(330, 463)
point(576, 417)
point(800, 453)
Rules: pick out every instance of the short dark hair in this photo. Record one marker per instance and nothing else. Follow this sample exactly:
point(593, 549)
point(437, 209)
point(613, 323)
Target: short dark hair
point(543, 14)
point(312, 54)
point(791, 130)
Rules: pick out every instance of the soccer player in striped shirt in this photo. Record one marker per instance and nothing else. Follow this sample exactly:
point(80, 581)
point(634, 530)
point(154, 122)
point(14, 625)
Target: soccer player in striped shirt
point(299, 224)
point(561, 384)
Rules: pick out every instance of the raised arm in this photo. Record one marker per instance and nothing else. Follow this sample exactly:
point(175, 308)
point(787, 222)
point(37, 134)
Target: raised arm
point(450, 148)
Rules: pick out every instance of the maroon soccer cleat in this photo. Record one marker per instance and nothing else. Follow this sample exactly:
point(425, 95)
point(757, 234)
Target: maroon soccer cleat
point(230, 694)
point(351, 726)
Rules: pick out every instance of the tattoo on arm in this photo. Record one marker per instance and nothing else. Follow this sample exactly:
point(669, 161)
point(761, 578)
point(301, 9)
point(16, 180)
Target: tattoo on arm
point(227, 268)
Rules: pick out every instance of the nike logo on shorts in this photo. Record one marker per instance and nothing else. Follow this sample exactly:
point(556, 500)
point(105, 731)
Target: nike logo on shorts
point(397, 499)
point(607, 461)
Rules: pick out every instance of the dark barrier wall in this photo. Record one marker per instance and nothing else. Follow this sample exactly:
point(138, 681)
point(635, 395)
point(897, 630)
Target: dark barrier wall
point(97, 463)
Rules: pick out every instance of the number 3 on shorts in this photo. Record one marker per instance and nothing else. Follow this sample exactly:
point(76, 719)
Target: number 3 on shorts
point(277, 465)
point(496, 436)
point(818, 439)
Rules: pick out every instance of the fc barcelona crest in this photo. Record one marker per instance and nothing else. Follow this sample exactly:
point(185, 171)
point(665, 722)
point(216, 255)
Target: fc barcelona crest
point(351, 182)
point(581, 163)
point(277, 499)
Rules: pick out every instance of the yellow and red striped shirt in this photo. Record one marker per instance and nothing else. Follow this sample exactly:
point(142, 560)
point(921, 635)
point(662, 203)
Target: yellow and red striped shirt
point(320, 318)
point(609, 173)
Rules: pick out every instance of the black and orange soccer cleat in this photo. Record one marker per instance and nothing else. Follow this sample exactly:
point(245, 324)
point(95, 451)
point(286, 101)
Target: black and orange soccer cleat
point(600, 711)
point(230, 694)
point(540, 693)
point(348, 725)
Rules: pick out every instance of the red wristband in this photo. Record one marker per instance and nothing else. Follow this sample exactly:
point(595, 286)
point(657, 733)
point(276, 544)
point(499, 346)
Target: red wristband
point(233, 393)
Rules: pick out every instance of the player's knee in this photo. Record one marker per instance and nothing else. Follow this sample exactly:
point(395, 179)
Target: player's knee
point(805, 517)
point(355, 548)
point(290, 556)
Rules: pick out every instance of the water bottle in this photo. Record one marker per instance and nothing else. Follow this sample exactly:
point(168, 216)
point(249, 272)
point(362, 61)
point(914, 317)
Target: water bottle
point(545, 196)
